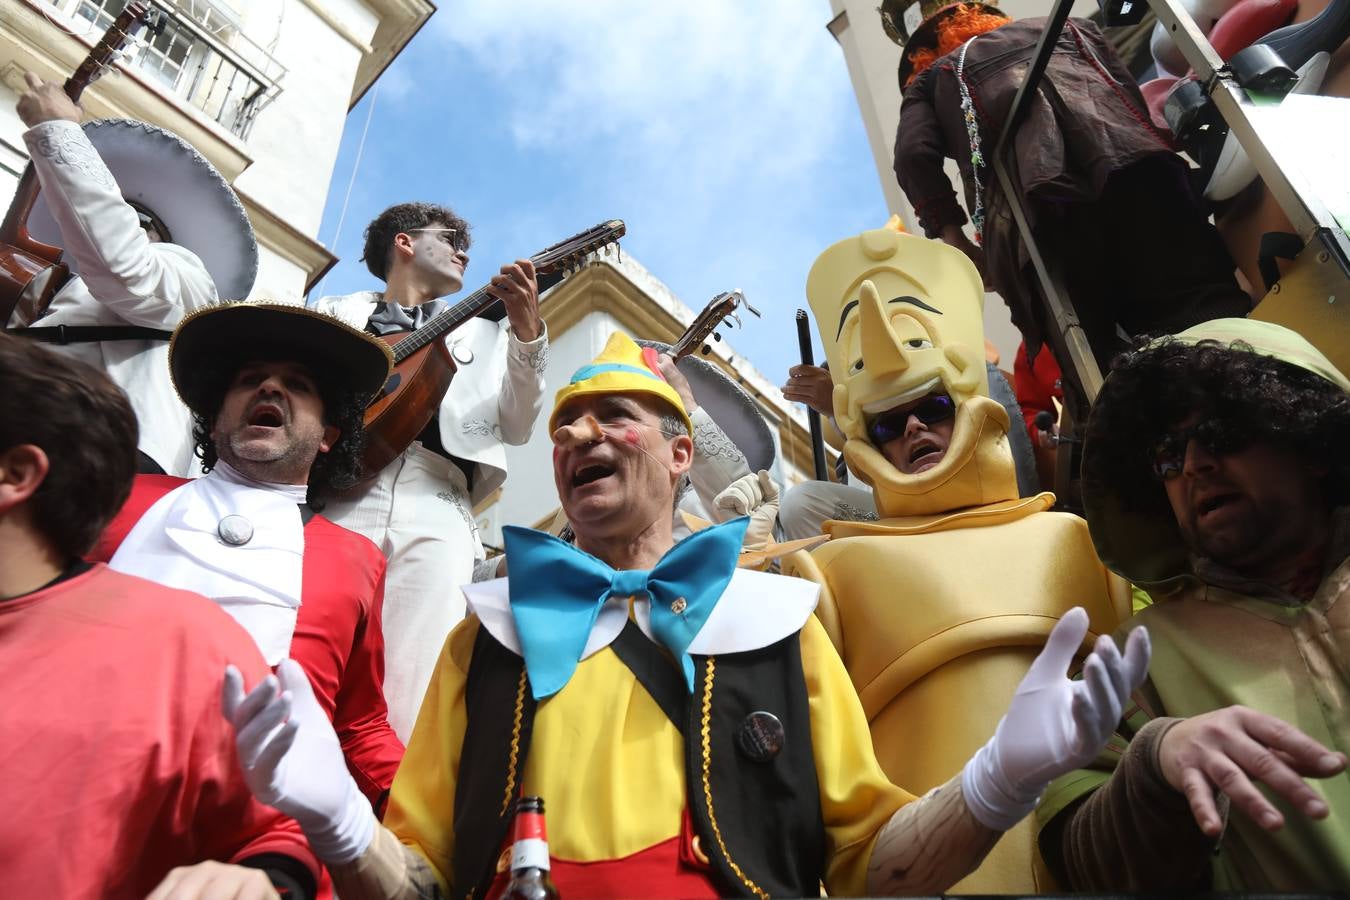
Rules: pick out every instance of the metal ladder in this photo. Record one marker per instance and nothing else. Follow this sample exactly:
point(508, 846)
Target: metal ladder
point(1313, 294)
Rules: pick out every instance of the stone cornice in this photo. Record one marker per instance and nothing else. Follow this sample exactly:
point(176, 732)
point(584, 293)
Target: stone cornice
point(400, 20)
point(283, 239)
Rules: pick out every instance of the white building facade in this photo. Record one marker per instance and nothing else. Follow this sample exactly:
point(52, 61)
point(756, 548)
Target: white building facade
point(260, 87)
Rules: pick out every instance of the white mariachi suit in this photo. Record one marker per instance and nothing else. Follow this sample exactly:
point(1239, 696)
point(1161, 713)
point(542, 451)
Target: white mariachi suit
point(419, 512)
point(124, 280)
point(717, 463)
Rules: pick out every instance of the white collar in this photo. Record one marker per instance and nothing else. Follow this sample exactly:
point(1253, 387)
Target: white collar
point(177, 542)
point(227, 473)
point(757, 609)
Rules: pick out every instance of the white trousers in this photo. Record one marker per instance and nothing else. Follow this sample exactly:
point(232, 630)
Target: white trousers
point(417, 511)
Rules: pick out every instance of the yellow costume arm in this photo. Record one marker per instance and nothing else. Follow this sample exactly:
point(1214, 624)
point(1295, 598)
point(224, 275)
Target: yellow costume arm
point(929, 845)
point(423, 793)
point(422, 797)
point(856, 800)
point(1122, 596)
point(803, 565)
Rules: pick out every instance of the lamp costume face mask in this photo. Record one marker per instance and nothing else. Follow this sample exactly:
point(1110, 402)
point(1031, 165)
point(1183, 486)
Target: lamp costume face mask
point(901, 317)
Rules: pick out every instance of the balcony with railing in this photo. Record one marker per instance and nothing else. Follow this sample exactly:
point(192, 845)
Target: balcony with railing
point(196, 50)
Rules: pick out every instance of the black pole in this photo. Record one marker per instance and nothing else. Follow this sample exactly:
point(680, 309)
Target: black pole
point(812, 417)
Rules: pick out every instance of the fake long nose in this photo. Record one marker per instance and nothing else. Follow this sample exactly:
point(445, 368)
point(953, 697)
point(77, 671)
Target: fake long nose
point(881, 351)
point(585, 430)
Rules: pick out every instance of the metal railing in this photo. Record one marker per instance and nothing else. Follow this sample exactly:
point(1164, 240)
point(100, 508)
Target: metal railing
point(199, 56)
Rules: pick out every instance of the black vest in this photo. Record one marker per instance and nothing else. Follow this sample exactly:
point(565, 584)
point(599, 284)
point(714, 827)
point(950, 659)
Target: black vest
point(762, 830)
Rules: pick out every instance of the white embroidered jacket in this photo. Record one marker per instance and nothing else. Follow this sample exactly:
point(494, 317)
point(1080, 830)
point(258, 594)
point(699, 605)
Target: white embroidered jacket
point(124, 280)
point(495, 397)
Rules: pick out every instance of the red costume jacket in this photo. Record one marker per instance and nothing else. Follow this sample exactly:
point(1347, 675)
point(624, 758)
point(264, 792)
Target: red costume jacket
point(338, 639)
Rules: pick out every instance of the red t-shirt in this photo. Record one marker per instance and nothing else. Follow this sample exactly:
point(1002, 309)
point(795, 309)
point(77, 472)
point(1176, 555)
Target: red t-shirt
point(117, 762)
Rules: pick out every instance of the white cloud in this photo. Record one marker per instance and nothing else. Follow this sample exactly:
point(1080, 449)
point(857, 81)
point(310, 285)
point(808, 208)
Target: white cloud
point(718, 85)
point(725, 132)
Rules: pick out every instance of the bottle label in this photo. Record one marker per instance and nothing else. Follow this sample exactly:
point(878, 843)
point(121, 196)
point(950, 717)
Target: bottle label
point(529, 853)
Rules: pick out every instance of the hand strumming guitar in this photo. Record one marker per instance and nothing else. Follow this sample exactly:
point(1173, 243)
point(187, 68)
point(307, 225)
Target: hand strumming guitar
point(518, 289)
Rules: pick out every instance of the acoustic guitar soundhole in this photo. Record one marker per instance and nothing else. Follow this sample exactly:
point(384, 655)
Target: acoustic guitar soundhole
point(391, 385)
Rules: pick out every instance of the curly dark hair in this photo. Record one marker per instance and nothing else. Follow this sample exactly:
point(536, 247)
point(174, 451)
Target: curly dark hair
point(332, 472)
point(85, 425)
point(400, 218)
point(1244, 396)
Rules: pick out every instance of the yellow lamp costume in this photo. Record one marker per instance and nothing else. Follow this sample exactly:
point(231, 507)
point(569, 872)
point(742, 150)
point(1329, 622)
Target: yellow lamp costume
point(938, 608)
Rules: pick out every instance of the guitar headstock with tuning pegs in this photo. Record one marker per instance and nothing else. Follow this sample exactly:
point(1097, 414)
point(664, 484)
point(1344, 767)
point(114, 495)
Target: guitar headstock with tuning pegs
point(105, 51)
point(572, 253)
point(720, 308)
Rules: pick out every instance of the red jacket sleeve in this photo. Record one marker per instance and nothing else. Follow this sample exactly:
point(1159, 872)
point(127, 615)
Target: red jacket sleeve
point(146, 490)
point(361, 716)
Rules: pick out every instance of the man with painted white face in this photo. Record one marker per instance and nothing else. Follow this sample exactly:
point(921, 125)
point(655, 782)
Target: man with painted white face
point(420, 509)
point(1214, 475)
point(687, 722)
point(941, 603)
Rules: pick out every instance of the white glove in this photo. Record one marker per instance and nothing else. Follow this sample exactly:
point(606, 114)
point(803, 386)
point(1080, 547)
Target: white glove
point(292, 761)
point(755, 496)
point(1053, 725)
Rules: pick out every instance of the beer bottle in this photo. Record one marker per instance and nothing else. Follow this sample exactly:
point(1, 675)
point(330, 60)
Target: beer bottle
point(529, 854)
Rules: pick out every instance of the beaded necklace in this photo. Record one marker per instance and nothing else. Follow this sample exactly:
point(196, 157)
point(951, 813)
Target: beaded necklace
point(973, 131)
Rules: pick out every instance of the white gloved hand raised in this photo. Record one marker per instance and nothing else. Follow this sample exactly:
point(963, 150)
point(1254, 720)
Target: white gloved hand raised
point(292, 760)
point(1053, 725)
point(755, 496)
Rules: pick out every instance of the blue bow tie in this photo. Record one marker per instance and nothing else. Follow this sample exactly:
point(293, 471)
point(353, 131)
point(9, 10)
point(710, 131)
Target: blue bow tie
point(557, 591)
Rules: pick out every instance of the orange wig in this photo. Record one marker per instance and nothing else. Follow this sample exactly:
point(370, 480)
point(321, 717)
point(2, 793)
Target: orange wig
point(953, 29)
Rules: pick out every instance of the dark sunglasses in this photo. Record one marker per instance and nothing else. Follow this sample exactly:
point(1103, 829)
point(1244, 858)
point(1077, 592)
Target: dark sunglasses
point(452, 236)
point(930, 410)
point(1167, 456)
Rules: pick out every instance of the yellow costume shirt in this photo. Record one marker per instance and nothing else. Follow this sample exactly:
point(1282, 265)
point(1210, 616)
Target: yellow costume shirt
point(609, 764)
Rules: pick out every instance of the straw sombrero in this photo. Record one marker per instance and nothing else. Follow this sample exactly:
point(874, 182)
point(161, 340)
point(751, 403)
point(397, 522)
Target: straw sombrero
point(246, 331)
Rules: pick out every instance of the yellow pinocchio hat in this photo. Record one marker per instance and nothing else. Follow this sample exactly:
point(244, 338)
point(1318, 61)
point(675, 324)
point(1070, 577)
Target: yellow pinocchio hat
point(621, 368)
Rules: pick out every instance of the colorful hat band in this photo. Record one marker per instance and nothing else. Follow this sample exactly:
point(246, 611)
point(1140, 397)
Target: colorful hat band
point(587, 372)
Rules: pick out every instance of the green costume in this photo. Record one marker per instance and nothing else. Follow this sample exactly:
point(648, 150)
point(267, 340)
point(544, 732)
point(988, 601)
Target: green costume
point(1218, 640)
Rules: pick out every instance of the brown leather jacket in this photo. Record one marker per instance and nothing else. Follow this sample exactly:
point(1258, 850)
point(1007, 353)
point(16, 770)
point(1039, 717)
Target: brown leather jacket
point(1087, 121)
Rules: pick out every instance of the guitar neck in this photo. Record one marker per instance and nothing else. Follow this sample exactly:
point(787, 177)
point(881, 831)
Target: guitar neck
point(444, 322)
point(547, 261)
point(686, 345)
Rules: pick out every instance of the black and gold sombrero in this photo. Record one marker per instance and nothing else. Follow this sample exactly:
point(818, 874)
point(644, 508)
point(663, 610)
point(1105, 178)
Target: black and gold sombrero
point(240, 332)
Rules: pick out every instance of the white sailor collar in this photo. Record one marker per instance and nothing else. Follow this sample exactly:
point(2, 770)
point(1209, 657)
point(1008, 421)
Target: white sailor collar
point(757, 609)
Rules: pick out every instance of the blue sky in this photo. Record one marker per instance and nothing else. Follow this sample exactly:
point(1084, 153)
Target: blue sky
point(725, 134)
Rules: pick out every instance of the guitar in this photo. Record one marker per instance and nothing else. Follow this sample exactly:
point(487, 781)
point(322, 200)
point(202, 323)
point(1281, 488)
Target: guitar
point(423, 367)
point(721, 307)
point(31, 272)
